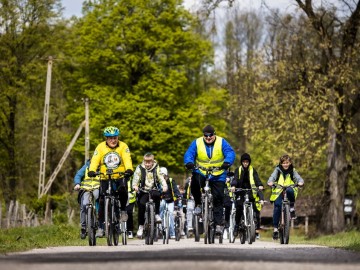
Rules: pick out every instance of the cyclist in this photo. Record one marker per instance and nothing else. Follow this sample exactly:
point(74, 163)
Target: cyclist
point(182, 208)
point(284, 174)
point(130, 210)
point(83, 182)
point(147, 176)
point(169, 197)
point(112, 154)
point(247, 177)
point(210, 151)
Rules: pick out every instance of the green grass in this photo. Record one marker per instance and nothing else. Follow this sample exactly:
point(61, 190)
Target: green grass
point(346, 240)
point(21, 239)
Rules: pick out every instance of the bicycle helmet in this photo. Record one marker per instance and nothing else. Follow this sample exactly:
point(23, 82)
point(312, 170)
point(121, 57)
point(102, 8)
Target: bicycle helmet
point(163, 171)
point(111, 131)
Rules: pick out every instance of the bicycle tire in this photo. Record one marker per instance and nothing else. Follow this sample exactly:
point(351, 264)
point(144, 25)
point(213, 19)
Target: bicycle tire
point(146, 226)
point(231, 228)
point(252, 223)
point(177, 222)
point(115, 225)
point(123, 231)
point(242, 231)
point(90, 220)
point(287, 218)
point(248, 225)
point(108, 223)
point(206, 219)
point(167, 226)
point(151, 224)
point(196, 228)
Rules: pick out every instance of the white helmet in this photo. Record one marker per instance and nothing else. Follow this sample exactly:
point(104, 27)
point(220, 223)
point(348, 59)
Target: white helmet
point(163, 171)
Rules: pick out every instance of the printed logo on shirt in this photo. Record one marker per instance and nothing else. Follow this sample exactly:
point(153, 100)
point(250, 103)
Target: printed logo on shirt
point(112, 160)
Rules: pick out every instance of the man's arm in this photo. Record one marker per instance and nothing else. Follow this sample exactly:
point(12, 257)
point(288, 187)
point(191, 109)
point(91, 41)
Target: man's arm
point(228, 151)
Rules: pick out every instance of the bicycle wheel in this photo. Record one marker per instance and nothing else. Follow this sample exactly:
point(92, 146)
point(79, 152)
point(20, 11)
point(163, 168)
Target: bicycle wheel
point(242, 231)
point(108, 223)
point(123, 231)
point(146, 226)
point(167, 226)
point(252, 224)
point(115, 225)
point(231, 228)
point(196, 228)
point(177, 223)
point(151, 224)
point(286, 234)
point(90, 222)
point(206, 220)
point(248, 225)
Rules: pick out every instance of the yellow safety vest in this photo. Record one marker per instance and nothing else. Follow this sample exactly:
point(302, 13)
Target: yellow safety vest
point(90, 183)
point(217, 158)
point(284, 182)
point(252, 183)
point(131, 193)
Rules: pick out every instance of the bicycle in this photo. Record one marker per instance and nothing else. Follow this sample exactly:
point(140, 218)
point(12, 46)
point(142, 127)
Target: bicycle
point(207, 210)
point(166, 224)
point(113, 228)
point(232, 221)
point(149, 224)
point(177, 223)
point(91, 217)
point(247, 222)
point(284, 223)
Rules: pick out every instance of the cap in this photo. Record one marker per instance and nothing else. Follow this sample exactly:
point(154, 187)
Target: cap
point(209, 129)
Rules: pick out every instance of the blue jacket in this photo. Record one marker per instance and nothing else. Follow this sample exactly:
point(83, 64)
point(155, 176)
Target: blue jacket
point(79, 176)
point(228, 151)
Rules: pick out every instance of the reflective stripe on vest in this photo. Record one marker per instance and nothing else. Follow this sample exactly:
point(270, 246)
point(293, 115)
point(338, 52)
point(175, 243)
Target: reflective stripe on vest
point(284, 182)
point(131, 193)
point(216, 159)
point(252, 183)
point(90, 183)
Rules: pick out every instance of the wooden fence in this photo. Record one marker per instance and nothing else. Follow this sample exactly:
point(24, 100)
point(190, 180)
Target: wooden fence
point(18, 216)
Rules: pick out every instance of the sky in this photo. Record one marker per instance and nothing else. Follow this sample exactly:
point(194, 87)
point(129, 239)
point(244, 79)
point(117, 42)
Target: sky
point(73, 7)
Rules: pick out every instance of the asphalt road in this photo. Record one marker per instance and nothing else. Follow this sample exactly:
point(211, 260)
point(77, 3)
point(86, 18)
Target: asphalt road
point(184, 255)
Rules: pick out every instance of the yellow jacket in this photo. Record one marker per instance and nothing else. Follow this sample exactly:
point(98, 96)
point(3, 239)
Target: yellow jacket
point(118, 159)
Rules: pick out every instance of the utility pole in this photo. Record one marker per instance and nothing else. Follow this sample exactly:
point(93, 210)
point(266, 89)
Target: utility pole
point(87, 129)
point(45, 128)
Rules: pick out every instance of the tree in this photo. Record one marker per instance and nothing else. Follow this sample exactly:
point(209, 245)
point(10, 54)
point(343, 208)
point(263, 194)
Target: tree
point(141, 64)
point(27, 28)
point(339, 46)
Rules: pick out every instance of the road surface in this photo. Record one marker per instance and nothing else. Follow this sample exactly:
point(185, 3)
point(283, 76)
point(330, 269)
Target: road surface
point(184, 255)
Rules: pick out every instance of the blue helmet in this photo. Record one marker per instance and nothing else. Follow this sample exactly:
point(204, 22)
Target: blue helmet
point(111, 131)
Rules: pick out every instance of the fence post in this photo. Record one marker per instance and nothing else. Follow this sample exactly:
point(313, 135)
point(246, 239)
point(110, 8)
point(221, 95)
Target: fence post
point(306, 225)
point(16, 212)
point(11, 206)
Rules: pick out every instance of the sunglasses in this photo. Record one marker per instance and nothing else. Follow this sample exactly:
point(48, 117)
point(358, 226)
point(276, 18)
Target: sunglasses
point(208, 135)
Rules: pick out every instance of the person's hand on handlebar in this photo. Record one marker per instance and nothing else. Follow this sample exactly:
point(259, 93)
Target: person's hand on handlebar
point(77, 187)
point(260, 187)
point(225, 166)
point(232, 189)
point(136, 188)
point(190, 165)
point(270, 184)
point(164, 188)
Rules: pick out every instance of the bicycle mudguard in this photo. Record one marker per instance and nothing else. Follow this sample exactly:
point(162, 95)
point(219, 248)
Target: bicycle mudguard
point(80, 194)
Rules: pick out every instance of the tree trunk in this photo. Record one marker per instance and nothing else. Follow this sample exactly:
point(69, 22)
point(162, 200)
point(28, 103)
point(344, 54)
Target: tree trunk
point(332, 212)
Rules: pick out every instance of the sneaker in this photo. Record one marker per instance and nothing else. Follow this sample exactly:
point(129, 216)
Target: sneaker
point(257, 235)
point(130, 235)
point(276, 235)
point(140, 231)
point(218, 229)
point(124, 216)
point(172, 237)
point(197, 210)
point(83, 233)
point(236, 230)
point(225, 235)
point(157, 218)
point(100, 233)
point(292, 214)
